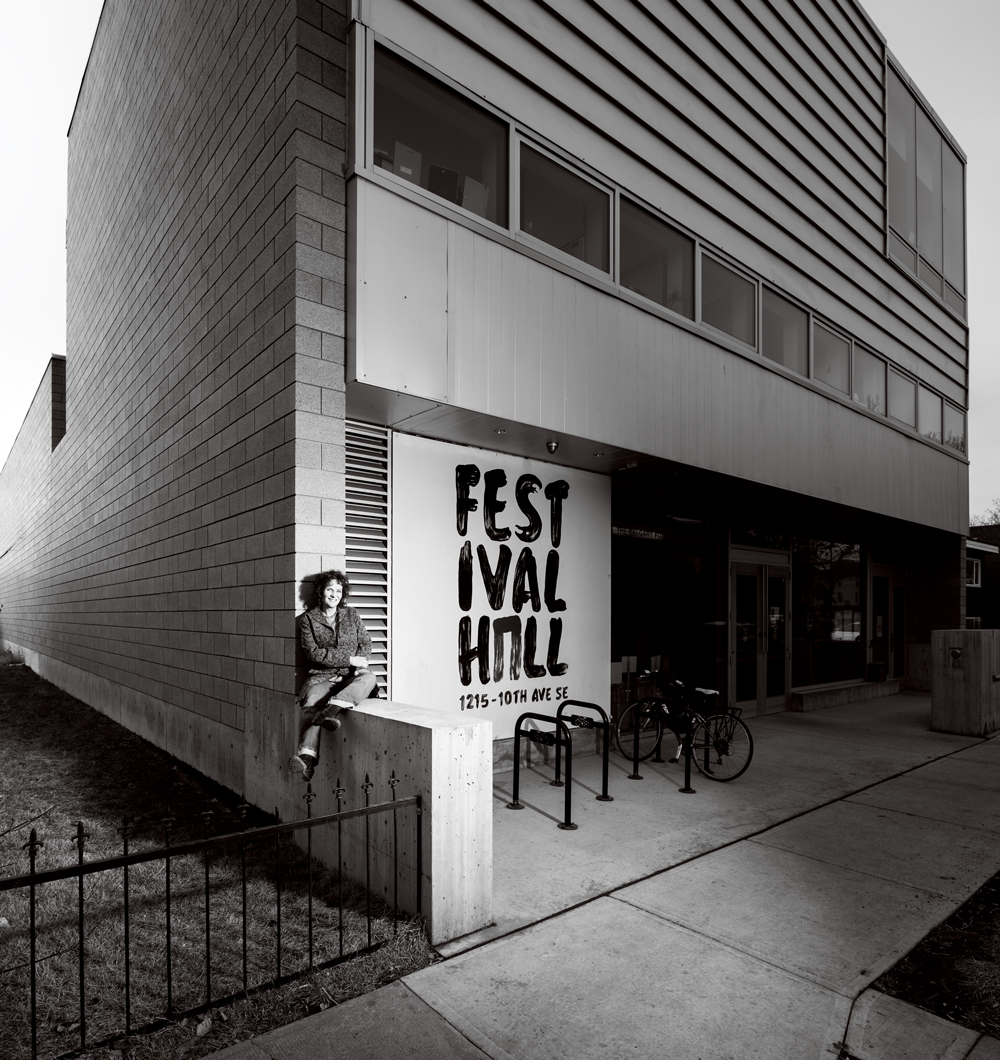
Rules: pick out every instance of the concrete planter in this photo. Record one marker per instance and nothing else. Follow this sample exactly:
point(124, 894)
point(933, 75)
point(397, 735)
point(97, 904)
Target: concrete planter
point(965, 681)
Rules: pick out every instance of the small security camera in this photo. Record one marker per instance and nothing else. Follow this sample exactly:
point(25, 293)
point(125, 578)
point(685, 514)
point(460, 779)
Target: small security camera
point(552, 445)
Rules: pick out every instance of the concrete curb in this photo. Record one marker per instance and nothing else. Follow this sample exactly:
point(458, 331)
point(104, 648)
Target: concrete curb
point(884, 1028)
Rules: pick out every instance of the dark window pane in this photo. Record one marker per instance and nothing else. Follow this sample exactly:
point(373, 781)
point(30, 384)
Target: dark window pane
point(902, 160)
point(902, 398)
point(954, 220)
point(954, 427)
point(656, 260)
point(564, 210)
point(902, 253)
point(931, 277)
point(435, 138)
point(728, 301)
point(929, 414)
point(831, 359)
point(786, 333)
point(827, 642)
point(929, 201)
point(869, 381)
point(954, 299)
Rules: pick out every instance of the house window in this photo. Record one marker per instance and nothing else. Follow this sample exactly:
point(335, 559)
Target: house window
point(926, 197)
point(869, 381)
point(954, 427)
point(728, 301)
point(973, 573)
point(831, 359)
point(656, 260)
point(902, 398)
point(564, 210)
point(929, 413)
point(432, 137)
point(785, 338)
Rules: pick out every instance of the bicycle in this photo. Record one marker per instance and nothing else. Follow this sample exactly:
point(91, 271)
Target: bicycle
point(721, 744)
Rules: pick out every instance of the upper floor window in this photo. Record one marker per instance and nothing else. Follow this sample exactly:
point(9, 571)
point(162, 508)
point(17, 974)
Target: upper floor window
point(728, 301)
point(564, 210)
point(926, 198)
point(656, 260)
point(954, 427)
point(869, 381)
point(435, 138)
point(785, 333)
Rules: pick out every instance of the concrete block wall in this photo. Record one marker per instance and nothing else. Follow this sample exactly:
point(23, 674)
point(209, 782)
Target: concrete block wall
point(25, 505)
point(201, 475)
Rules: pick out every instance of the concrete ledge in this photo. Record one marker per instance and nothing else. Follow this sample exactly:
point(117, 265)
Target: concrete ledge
point(448, 761)
point(884, 1028)
point(835, 695)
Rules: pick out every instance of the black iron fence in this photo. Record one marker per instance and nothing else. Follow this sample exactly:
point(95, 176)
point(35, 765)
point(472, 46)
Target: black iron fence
point(212, 851)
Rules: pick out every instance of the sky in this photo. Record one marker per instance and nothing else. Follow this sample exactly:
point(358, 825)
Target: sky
point(948, 49)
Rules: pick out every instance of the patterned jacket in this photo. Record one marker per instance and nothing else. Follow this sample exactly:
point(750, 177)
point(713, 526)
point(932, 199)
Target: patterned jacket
point(329, 646)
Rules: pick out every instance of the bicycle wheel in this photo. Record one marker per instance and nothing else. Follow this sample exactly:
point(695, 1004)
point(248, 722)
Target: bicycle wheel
point(721, 747)
point(647, 711)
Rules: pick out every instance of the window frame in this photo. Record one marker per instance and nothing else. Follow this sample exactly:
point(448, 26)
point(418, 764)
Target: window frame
point(976, 582)
point(862, 347)
point(912, 379)
point(520, 137)
point(815, 320)
point(721, 259)
point(369, 168)
point(657, 215)
point(947, 142)
point(810, 316)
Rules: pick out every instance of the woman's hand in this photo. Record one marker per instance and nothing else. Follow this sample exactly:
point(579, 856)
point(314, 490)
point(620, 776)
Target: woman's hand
point(358, 660)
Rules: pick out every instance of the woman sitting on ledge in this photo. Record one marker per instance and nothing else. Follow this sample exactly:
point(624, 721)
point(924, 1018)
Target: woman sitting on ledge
point(337, 646)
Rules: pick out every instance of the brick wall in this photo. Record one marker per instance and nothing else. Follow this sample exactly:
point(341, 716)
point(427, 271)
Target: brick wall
point(201, 475)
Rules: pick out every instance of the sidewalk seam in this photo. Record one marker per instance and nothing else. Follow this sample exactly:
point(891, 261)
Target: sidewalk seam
point(610, 893)
point(463, 1026)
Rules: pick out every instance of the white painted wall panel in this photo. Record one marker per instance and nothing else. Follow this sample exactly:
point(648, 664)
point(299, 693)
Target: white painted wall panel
point(402, 295)
point(556, 353)
point(426, 611)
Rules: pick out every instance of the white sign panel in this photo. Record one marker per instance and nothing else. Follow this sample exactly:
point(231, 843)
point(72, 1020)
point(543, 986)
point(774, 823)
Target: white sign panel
point(501, 582)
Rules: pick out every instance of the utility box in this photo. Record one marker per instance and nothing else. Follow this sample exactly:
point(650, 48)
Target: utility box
point(965, 681)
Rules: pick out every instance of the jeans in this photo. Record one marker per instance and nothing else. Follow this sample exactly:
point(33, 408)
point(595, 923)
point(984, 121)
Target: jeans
point(314, 702)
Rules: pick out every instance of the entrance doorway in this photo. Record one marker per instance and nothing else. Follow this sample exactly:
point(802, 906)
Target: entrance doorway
point(888, 633)
point(761, 669)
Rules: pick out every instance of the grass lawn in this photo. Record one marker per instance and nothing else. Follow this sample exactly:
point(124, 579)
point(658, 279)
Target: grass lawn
point(62, 763)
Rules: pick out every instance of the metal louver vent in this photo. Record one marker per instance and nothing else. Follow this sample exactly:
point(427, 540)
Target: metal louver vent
point(368, 545)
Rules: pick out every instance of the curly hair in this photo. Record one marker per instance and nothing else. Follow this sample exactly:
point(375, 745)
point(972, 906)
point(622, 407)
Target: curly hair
point(332, 576)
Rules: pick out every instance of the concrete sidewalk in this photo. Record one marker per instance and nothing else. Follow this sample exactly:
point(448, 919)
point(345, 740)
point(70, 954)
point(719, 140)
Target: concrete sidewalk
point(748, 920)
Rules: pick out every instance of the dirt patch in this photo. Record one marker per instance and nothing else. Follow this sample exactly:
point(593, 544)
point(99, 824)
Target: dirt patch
point(955, 971)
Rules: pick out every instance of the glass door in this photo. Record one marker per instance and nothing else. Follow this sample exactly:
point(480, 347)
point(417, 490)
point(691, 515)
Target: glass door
point(761, 649)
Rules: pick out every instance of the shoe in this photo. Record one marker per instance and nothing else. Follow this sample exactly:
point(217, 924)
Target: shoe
point(330, 724)
point(302, 765)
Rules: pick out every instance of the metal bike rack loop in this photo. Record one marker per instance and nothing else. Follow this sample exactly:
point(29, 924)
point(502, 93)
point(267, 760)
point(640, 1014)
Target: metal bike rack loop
point(583, 722)
point(558, 739)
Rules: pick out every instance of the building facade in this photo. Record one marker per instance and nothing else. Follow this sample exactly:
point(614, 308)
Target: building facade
point(589, 338)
